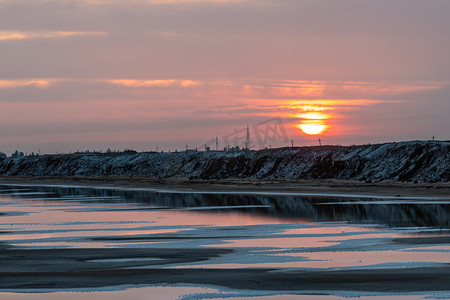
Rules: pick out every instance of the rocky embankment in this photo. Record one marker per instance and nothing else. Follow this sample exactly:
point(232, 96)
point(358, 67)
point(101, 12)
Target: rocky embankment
point(406, 161)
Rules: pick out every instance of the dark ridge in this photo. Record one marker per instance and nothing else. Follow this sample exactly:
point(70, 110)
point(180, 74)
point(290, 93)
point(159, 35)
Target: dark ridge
point(415, 161)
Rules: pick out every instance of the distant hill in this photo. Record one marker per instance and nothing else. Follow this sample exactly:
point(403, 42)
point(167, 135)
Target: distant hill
point(414, 161)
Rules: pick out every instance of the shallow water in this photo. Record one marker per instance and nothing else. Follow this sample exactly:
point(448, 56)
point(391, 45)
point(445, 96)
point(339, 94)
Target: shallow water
point(282, 232)
point(192, 293)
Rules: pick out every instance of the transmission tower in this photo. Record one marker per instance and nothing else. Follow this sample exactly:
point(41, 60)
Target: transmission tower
point(247, 139)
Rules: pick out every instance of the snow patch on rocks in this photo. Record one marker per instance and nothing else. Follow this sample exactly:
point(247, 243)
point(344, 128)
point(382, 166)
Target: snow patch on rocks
point(415, 161)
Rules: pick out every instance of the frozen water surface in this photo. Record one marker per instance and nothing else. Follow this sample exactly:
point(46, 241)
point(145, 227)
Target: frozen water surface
point(285, 232)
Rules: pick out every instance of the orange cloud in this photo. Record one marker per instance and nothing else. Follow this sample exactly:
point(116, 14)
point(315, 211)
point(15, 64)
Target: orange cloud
point(23, 35)
point(319, 105)
point(40, 83)
point(315, 90)
point(313, 116)
point(189, 83)
point(153, 83)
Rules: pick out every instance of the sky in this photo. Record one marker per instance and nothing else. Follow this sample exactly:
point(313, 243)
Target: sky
point(164, 75)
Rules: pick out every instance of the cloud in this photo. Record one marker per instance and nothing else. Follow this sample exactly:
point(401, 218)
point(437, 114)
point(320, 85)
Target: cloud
point(318, 90)
point(153, 83)
point(24, 35)
point(215, 91)
point(40, 83)
point(165, 2)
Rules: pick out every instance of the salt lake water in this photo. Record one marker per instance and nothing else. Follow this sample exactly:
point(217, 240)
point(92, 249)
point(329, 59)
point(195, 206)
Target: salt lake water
point(280, 232)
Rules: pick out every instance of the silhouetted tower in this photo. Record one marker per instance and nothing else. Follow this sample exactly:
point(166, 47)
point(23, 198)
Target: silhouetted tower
point(320, 141)
point(292, 143)
point(217, 143)
point(247, 139)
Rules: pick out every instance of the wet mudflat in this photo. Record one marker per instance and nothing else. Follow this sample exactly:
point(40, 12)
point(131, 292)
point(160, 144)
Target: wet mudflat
point(69, 241)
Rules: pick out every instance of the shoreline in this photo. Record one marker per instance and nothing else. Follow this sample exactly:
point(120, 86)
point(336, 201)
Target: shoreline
point(301, 187)
point(62, 269)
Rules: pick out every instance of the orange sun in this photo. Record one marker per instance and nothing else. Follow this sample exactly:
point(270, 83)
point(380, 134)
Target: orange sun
point(313, 122)
point(312, 127)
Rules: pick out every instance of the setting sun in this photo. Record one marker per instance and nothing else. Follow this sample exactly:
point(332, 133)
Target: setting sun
point(313, 121)
point(312, 127)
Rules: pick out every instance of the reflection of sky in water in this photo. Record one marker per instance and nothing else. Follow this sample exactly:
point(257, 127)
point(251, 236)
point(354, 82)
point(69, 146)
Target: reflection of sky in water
point(195, 293)
point(261, 234)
